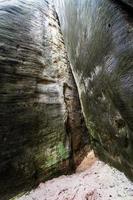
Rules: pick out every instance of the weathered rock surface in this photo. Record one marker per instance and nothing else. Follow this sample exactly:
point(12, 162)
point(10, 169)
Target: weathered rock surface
point(42, 131)
point(99, 39)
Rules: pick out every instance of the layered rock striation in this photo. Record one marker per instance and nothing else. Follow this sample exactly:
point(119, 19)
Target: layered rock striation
point(42, 130)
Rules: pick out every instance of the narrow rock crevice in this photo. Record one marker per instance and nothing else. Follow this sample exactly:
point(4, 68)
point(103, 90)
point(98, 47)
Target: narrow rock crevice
point(75, 125)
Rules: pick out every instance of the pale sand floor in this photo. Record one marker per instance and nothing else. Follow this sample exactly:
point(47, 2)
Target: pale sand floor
point(98, 181)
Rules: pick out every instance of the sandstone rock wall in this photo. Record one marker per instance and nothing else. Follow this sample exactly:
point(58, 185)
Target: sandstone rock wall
point(99, 39)
point(40, 112)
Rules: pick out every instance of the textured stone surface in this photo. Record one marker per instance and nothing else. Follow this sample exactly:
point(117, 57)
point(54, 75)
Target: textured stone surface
point(99, 39)
point(40, 113)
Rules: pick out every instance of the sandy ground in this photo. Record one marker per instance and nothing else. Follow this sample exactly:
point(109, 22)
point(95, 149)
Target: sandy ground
point(94, 180)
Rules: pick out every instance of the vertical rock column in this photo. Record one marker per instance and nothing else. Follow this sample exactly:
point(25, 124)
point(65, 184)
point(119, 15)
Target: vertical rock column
point(39, 104)
point(99, 39)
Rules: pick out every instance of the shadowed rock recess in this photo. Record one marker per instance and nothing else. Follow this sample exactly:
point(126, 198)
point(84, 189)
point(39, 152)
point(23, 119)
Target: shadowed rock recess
point(42, 130)
point(128, 2)
point(99, 39)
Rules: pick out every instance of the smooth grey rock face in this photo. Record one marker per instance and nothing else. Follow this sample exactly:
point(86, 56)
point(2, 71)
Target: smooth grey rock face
point(36, 132)
point(99, 39)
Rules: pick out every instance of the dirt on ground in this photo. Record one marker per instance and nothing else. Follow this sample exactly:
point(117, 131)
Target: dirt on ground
point(93, 180)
